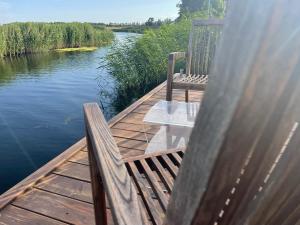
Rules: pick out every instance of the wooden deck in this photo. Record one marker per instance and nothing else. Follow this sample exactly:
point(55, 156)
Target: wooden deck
point(60, 192)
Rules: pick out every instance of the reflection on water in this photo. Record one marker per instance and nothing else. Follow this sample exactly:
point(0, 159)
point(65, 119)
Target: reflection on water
point(41, 99)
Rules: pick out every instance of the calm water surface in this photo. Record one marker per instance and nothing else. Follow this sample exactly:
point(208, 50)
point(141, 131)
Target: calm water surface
point(41, 99)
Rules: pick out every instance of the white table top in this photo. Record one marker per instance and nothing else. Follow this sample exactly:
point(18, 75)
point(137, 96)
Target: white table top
point(173, 113)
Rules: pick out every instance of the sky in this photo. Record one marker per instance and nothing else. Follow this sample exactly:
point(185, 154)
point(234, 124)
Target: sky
point(86, 10)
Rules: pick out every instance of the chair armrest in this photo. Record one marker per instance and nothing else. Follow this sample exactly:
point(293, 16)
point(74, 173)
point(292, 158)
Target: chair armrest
point(105, 159)
point(173, 57)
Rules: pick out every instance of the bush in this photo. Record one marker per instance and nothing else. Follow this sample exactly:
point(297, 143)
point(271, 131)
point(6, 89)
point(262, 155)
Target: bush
point(140, 64)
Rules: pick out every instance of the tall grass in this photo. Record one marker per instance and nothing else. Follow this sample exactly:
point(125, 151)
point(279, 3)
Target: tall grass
point(140, 64)
point(22, 38)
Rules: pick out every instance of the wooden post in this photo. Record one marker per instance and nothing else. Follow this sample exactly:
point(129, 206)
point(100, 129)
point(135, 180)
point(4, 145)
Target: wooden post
point(109, 174)
point(171, 66)
point(97, 187)
point(243, 156)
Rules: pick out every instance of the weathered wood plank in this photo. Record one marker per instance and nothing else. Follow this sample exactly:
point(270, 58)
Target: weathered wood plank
point(134, 118)
point(170, 165)
point(155, 185)
point(12, 215)
point(129, 152)
point(74, 170)
point(120, 191)
point(247, 116)
point(21, 187)
point(153, 207)
point(68, 187)
point(81, 157)
point(150, 129)
point(131, 144)
point(134, 135)
point(164, 175)
point(30, 181)
point(56, 206)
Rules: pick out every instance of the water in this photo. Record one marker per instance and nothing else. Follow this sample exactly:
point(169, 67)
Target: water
point(41, 99)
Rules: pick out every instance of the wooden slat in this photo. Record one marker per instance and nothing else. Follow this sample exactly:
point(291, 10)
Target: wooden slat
point(150, 129)
point(74, 170)
point(121, 193)
point(134, 118)
point(30, 181)
point(177, 158)
point(13, 215)
point(164, 175)
point(155, 154)
point(129, 152)
point(170, 165)
point(247, 116)
point(134, 135)
point(58, 207)
point(68, 187)
point(155, 185)
point(154, 210)
point(80, 157)
point(278, 202)
point(131, 144)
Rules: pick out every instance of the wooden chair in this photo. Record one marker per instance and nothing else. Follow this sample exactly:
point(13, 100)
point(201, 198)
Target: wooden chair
point(201, 51)
point(243, 160)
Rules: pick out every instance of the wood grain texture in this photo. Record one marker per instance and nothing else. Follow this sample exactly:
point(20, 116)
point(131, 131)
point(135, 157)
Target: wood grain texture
point(243, 154)
point(74, 170)
point(203, 39)
point(55, 206)
point(68, 187)
point(13, 215)
point(98, 189)
point(28, 182)
point(121, 193)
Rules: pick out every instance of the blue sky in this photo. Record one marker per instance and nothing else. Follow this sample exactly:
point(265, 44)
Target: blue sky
point(86, 10)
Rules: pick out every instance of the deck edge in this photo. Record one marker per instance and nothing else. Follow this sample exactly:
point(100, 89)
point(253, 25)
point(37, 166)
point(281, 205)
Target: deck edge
point(27, 183)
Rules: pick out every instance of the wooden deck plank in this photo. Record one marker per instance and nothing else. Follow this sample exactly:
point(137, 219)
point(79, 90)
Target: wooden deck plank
point(72, 188)
point(134, 135)
point(74, 170)
point(81, 158)
point(28, 182)
point(58, 207)
point(150, 129)
point(62, 189)
point(132, 144)
point(14, 215)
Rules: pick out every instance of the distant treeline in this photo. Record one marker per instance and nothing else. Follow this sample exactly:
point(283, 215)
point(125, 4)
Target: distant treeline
point(137, 27)
point(22, 38)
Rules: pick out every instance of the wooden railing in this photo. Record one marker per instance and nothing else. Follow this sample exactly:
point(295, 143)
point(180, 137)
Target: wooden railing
point(109, 175)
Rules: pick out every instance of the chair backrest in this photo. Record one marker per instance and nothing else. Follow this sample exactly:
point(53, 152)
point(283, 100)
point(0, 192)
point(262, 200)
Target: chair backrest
point(242, 164)
point(202, 45)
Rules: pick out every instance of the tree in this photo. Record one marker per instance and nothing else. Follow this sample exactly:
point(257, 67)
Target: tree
point(150, 22)
point(214, 7)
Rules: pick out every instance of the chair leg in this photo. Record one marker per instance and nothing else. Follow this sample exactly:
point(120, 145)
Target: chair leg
point(186, 95)
point(169, 90)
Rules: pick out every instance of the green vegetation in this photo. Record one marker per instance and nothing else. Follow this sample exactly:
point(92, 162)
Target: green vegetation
point(140, 28)
point(23, 38)
point(141, 64)
point(213, 7)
